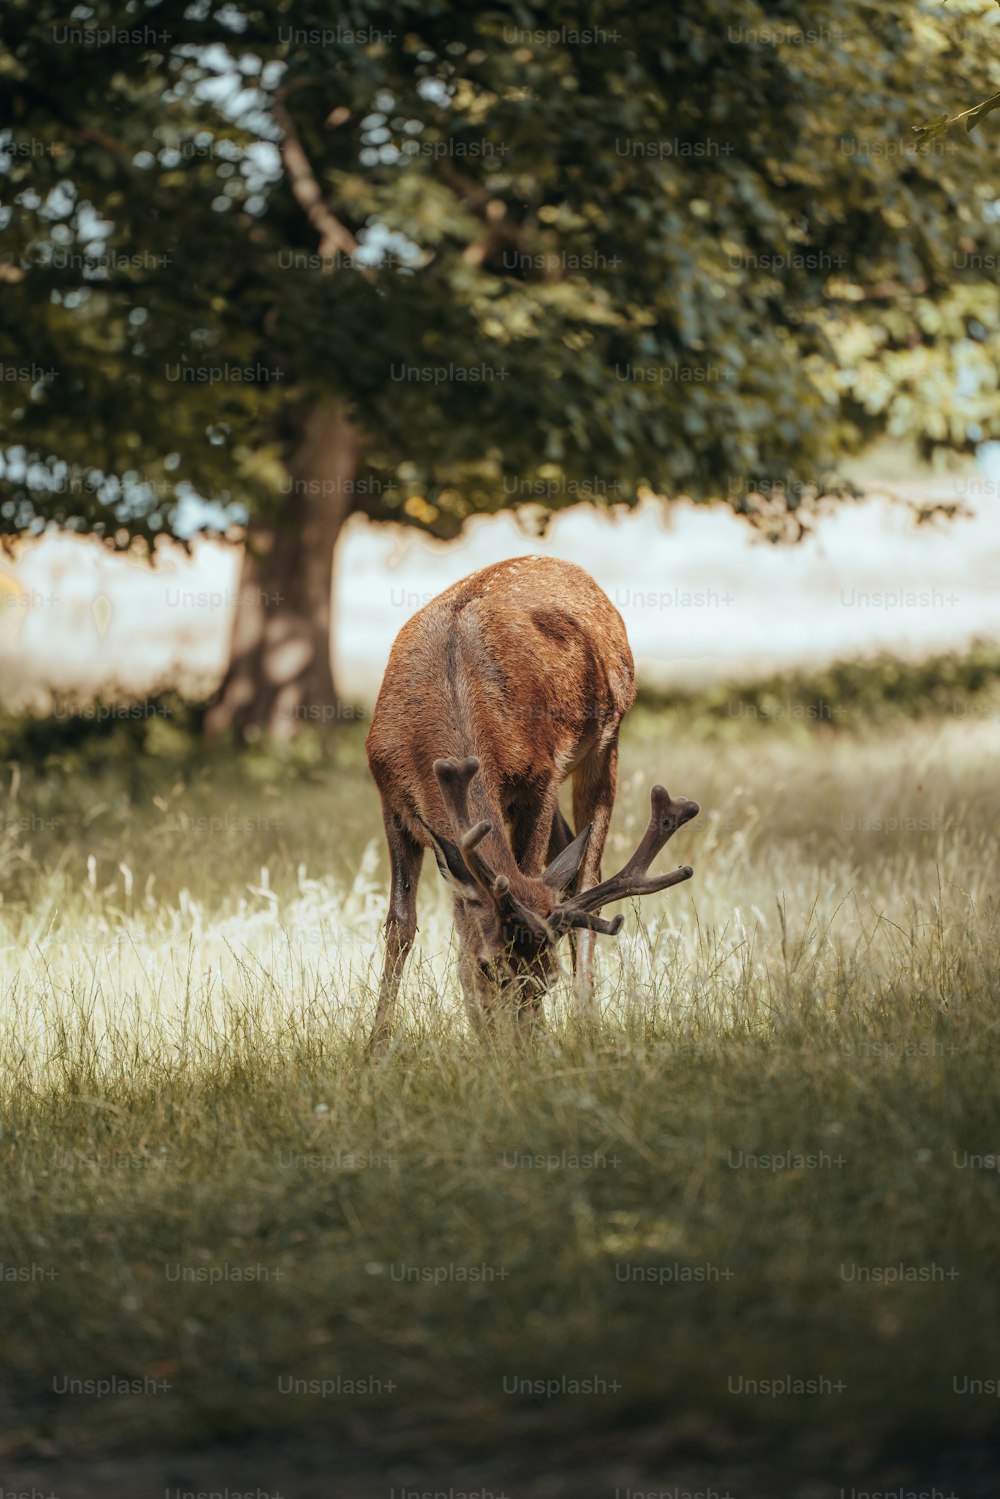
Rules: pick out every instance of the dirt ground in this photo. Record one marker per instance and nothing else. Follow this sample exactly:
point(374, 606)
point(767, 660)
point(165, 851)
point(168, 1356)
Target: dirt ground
point(314, 1469)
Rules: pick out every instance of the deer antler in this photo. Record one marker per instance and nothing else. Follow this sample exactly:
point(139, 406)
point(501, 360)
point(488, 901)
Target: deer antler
point(563, 918)
point(455, 777)
point(668, 814)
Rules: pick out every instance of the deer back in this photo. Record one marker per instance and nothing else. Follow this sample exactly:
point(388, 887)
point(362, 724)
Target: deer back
point(525, 665)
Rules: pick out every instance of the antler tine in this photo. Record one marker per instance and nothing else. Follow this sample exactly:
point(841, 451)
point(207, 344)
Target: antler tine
point(454, 777)
point(667, 815)
point(563, 920)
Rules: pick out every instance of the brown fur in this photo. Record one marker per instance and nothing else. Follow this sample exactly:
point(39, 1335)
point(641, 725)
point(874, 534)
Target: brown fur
point(525, 665)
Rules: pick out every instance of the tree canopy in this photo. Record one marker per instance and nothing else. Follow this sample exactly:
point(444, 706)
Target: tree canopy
point(543, 252)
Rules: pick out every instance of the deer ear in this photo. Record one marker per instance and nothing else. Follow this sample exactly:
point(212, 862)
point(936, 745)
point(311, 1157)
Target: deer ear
point(565, 866)
point(449, 858)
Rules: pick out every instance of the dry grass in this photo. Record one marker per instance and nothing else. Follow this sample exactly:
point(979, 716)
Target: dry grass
point(205, 1186)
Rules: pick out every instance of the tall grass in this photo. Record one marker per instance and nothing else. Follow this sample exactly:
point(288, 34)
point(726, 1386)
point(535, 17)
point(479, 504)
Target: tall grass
point(774, 1159)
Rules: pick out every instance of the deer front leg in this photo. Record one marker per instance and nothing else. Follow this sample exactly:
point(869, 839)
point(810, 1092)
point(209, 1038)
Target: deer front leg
point(595, 782)
point(405, 857)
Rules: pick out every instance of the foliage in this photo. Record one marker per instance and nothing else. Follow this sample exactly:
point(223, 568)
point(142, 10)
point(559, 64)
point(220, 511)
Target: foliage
point(844, 696)
point(933, 129)
point(103, 738)
point(546, 200)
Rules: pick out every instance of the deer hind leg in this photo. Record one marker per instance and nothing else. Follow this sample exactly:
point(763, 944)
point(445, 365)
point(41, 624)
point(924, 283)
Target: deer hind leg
point(595, 781)
point(405, 857)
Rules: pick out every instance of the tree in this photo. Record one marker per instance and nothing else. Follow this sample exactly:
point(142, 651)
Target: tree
point(424, 262)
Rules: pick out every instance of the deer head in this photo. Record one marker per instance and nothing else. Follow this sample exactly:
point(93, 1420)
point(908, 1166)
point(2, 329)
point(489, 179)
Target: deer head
point(510, 923)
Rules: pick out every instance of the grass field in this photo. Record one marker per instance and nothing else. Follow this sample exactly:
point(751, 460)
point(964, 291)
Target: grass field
point(757, 1203)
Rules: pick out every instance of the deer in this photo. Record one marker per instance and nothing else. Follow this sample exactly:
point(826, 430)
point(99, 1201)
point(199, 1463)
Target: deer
point(505, 685)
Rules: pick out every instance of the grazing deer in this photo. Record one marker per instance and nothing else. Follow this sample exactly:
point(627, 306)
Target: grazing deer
point(495, 692)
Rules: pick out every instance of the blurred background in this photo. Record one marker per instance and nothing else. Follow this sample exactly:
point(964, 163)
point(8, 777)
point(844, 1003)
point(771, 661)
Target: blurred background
point(705, 602)
point(290, 303)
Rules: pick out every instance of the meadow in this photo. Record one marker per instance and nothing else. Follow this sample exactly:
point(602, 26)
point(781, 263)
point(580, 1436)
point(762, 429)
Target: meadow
point(755, 1207)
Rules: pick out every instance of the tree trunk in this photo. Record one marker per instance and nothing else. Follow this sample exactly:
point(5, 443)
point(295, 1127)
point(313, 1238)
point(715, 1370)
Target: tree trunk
point(279, 675)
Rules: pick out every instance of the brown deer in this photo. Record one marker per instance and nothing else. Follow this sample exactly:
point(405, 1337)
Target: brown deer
point(495, 692)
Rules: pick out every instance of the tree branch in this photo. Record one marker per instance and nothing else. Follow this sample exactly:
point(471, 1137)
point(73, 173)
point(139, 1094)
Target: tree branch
point(333, 235)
